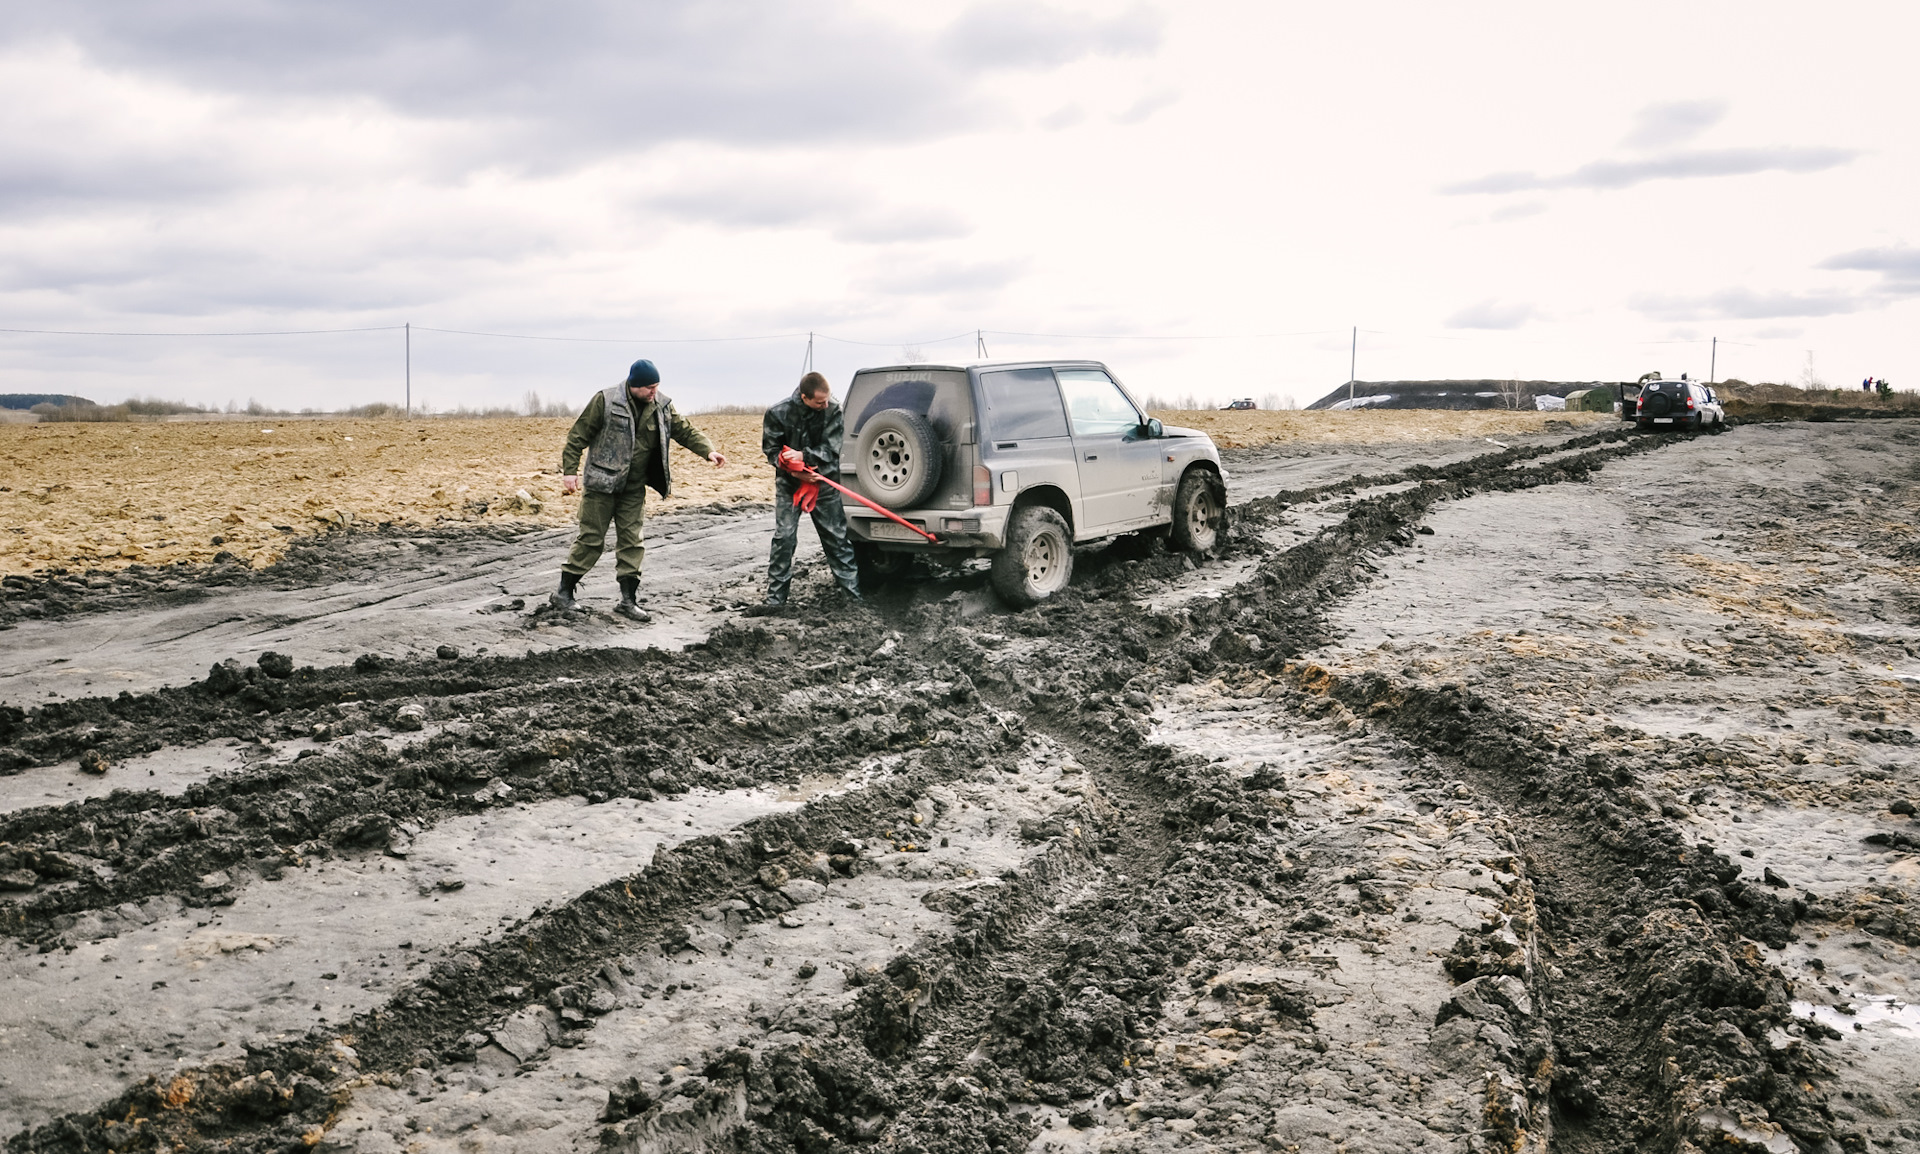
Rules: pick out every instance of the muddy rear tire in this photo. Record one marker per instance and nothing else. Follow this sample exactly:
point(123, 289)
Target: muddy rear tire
point(1199, 512)
point(898, 458)
point(1037, 560)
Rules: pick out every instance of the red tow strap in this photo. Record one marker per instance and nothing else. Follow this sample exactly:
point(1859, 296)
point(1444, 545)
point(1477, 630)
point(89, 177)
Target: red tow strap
point(813, 475)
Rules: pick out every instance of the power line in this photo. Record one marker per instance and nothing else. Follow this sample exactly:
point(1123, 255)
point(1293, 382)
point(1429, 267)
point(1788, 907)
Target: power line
point(895, 344)
point(270, 333)
point(613, 340)
point(1145, 337)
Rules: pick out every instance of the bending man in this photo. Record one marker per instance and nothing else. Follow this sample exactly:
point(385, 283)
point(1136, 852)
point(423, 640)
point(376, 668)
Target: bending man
point(624, 432)
point(803, 432)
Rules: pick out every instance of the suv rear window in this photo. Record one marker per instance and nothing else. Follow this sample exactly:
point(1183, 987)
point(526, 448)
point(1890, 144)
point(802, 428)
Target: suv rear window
point(1023, 404)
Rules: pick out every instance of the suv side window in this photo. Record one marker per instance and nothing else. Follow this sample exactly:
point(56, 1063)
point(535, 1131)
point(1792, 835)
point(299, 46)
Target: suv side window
point(1095, 404)
point(1023, 404)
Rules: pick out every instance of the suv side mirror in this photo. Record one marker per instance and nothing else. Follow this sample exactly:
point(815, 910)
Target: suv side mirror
point(1155, 428)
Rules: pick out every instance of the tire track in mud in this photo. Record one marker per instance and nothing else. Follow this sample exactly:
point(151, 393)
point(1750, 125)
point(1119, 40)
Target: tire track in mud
point(1711, 1055)
point(1190, 841)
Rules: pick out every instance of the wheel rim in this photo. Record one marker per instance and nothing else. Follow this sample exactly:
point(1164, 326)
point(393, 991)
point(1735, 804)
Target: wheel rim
point(1200, 519)
point(890, 460)
point(1045, 559)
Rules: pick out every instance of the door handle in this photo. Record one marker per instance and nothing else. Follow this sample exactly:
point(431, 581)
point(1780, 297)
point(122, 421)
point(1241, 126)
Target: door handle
point(1093, 456)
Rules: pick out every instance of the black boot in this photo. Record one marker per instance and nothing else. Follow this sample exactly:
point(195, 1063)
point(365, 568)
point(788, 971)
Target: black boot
point(629, 607)
point(563, 600)
point(773, 606)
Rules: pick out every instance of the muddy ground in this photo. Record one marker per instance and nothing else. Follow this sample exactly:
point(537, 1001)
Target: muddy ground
point(1548, 796)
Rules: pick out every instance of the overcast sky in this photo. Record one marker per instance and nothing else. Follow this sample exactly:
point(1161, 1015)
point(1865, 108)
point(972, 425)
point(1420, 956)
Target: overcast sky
point(1207, 196)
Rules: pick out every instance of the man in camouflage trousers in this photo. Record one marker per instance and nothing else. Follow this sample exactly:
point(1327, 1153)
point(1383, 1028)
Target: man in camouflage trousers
point(624, 432)
point(804, 432)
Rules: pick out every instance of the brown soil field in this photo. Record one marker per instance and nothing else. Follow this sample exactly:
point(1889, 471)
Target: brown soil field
point(104, 496)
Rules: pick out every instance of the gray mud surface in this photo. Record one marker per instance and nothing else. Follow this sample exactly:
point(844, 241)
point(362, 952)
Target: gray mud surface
point(1554, 796)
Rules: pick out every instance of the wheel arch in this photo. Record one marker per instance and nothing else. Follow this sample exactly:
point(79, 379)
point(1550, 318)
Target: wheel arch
point(1051, 497)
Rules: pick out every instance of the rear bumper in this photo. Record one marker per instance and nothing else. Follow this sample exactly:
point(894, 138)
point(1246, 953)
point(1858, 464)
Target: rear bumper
point(981, 527)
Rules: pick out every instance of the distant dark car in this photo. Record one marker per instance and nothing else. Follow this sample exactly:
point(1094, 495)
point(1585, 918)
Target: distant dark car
point(1247, 403)
point(1679, 405)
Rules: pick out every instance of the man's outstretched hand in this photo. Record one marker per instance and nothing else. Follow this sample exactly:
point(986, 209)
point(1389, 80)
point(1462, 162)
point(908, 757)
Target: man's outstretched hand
point(571, 483)
point(718, 458)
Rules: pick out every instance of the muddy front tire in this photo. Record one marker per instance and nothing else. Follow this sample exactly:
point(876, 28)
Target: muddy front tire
point(1037, 560)
point(1199, 511)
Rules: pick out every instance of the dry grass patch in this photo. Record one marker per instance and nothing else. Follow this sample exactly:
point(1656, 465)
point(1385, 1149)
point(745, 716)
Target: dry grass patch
point(82, 496)
point(1245, 429)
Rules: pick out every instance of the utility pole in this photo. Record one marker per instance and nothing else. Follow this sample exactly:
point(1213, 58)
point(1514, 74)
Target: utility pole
point(409, 327)
point(1713, 362)
point(808, 366)
point(980, 344)
point(1353, 358)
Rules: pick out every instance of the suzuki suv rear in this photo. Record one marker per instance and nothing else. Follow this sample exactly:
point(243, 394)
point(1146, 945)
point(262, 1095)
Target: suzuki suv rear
point(1020, 462)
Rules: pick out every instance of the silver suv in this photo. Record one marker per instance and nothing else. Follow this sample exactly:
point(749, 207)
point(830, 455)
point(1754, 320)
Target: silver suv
point(1018, 461)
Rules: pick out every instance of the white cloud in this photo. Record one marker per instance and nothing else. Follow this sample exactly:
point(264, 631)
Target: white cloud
point(1608, 175)
point(1674, 122)
point(1065, 116)
point(1145, 107)
point(1747, 304)
point(1898, 266)
point(1520, 211)
point(1491, 314)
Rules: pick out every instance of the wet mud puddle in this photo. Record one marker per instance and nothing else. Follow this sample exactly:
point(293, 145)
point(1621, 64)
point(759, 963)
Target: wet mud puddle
point(161, 985)
point(540, 1082)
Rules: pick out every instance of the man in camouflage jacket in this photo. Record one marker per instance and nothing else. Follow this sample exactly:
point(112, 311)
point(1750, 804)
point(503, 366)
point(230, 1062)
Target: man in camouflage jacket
point(623, 432)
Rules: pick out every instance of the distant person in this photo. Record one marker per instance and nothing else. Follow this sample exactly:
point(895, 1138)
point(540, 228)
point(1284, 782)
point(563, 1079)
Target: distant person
point(803, 432)
point(624, 432)
point(1866, 386)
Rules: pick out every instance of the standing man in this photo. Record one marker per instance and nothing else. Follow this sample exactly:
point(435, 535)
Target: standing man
point(803, 432)
point(624, 432)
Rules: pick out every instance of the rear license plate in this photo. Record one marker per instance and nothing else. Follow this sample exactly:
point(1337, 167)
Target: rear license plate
point(1663, 420)
point(893, 532)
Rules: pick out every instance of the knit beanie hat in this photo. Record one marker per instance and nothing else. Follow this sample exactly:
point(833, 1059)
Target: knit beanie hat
point(642, 374)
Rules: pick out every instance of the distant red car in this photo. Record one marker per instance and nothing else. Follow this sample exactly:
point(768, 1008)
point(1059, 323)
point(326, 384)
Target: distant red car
point(1241, 404)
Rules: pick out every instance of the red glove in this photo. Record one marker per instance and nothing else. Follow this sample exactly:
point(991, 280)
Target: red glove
point(807, 496)
point(792, 461)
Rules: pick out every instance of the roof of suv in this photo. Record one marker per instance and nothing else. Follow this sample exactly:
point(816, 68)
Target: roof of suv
point(983, 365)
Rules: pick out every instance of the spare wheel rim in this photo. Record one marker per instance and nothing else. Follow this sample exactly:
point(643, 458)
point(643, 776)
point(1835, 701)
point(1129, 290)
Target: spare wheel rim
point(1045, 561)
point(890, 460)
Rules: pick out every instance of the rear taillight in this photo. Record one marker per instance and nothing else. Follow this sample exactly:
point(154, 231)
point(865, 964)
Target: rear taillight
point(982, 485)
point(1689, 402)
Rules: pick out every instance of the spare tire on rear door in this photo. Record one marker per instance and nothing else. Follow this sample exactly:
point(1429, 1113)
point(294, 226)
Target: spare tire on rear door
point(898, 458)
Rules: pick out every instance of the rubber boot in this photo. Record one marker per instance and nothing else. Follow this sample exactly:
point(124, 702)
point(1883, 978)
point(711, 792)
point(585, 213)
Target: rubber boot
point(773, 606)
point(563, 600)
point(629, 607)
point(852, 593)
